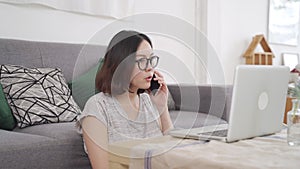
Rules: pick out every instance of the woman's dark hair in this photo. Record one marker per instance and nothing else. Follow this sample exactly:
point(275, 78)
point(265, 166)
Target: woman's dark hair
point(119, 60)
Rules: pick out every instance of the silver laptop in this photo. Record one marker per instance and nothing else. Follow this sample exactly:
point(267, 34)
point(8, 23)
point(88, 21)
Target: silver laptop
point(257, 106)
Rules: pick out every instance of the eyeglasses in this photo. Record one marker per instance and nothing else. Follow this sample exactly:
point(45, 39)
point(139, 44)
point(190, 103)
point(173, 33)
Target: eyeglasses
point(144, 62)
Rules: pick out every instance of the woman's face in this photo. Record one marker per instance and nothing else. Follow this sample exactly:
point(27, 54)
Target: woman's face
point(140, 79)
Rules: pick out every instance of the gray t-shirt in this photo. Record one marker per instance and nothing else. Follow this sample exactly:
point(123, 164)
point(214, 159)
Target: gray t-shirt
point(108, 110)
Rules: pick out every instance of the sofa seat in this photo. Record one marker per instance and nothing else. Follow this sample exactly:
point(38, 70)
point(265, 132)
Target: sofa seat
point(56, 145)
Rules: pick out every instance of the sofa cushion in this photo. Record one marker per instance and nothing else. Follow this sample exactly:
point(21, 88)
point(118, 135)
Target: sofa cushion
point(58, 131)
point(19, 52)
point(189, 119)
point(37, 95)
point(7, 120)
point(209, 99)
point(83, 87)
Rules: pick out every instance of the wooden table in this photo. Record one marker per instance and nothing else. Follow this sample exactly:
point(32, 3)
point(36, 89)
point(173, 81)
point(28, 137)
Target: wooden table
point(260, 152)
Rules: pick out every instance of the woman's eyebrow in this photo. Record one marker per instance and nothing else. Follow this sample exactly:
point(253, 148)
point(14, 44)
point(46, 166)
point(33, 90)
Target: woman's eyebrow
point(144, 55)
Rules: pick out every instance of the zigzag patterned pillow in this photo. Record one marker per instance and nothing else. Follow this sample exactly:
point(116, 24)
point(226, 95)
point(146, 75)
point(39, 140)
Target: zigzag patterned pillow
point(37, 95)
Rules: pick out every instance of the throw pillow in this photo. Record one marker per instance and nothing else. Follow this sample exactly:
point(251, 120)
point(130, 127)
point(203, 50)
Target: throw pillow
point(37, 95)
point(83, 87)
point(7, 121)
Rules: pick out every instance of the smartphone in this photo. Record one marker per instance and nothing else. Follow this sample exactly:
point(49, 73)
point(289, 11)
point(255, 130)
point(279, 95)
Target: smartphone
point(154, 85)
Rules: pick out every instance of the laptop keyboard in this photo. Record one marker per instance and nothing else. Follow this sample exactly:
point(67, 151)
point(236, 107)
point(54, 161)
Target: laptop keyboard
point(219, 133)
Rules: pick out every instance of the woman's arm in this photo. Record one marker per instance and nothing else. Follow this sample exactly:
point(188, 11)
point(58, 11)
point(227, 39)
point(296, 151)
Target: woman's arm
point(166, 122)
point(95, 138)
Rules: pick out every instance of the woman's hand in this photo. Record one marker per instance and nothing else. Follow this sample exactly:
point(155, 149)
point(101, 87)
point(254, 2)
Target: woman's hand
point(160, 99)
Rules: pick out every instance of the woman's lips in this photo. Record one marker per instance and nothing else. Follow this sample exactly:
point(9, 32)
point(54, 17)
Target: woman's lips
point(148, 79)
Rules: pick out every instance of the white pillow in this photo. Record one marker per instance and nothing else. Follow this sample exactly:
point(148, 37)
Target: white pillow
point(38, 95)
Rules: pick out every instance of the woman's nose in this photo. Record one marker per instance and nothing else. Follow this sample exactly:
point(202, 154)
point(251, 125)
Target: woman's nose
point(149, 68)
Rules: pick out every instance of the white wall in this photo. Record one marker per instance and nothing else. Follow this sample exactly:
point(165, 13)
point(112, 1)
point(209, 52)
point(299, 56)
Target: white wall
point(45, 24)
point(180, 68)
point(34, 22)
point(229, 25)
point(39, 23)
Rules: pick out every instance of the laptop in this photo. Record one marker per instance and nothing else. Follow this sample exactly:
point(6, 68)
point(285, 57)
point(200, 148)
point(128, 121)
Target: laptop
point(257, 106)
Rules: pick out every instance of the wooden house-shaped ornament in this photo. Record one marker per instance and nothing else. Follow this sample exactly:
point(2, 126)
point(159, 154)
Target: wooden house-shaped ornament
point(259, 58)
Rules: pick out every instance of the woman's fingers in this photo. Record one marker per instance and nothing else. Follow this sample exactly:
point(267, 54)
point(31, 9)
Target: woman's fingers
point(159, 77)
point(158, 74)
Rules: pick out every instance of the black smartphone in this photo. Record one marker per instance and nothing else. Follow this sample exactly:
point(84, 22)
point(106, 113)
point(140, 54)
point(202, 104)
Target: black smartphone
point(154, 85)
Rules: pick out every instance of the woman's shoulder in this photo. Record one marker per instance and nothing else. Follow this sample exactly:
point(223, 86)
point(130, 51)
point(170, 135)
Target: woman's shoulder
point(98, 98)
point(95, 106)
point(101, 95)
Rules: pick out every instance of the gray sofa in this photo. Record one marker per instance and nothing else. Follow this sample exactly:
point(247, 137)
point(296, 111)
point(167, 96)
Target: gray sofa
point(59, 145)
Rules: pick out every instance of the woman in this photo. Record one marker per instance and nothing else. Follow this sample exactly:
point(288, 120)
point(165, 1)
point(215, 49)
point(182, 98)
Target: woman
point(124, 108)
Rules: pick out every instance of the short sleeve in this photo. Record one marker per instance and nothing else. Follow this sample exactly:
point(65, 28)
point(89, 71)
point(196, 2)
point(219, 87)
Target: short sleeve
point(95, 107)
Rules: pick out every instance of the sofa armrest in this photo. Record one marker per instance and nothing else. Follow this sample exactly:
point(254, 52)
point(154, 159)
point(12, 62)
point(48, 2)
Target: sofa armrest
point(210, 99)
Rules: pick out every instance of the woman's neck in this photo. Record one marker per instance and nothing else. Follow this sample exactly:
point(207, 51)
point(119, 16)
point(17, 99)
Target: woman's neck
point(129, 98)
point(130, 104)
